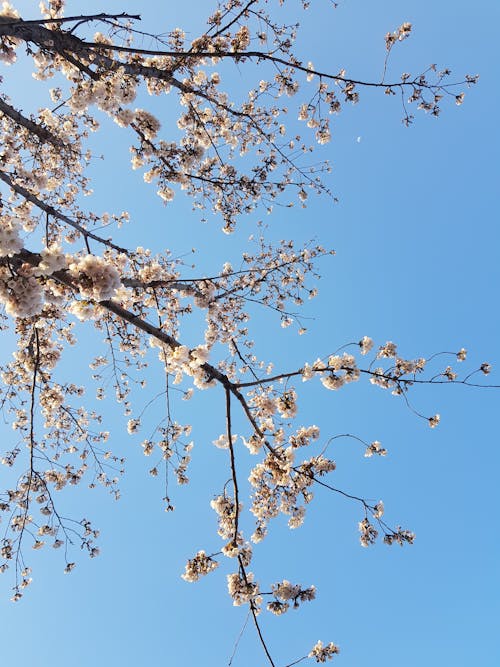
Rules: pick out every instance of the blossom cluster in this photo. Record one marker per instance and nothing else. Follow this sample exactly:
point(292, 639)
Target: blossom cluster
point(285, 592)
point(10, 239)
point(403, 32)
point(21, 295)
point(322, 653)
point(226, 512)
point(243, 589)
point(96, 278)
point(180, 360)
point(280, 487)
point(199, 566)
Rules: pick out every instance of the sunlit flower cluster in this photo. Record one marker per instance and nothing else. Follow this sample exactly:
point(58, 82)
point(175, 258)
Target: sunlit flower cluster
point(96, 278)
point(243, 589)
point(226, 513)
point(199, 566)
point(375, 448)
point(10, 239)
point(322, 653)
point(403, 32)
point(285, 592)
point(21, 295)
point(52, 259)
point(368, 532)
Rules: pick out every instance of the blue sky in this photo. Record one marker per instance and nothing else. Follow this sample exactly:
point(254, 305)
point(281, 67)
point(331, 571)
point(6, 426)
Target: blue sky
point(417, 242)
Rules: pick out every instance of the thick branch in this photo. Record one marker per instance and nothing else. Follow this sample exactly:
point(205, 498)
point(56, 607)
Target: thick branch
point(238, 56)
point(70, 19)
point(160, 335)
point(41, 132)
point(64, 42)
point(29, 196)
point(34, 259)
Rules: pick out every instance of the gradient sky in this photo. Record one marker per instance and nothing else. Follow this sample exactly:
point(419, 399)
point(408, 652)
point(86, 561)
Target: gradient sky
point(417, 242)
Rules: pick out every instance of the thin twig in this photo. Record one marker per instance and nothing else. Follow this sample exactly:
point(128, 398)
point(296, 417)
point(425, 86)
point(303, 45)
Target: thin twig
point(238, 639)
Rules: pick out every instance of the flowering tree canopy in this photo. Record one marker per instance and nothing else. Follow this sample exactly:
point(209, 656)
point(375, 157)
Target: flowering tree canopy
point(61, 273)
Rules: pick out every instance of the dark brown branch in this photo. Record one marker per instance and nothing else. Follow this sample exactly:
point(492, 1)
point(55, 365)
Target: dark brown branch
point(71, 19)
point(272, 378)
point(259, 55)
point(384, 376)
point(79, 65)
point(254, 615)
point(34, 128)
point(313, 477)
point(241, 358)
point(29, 196)
point(233, 466)
point(61, 42)
point(160, 335)
point(180, 285)
point(261, 636)
point(64, 278)
point(35, 355)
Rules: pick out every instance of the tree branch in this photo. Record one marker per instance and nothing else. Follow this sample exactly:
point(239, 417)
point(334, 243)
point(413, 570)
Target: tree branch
point(23, 192)
point(34, 128)
point(233, 466)
point(70, 19)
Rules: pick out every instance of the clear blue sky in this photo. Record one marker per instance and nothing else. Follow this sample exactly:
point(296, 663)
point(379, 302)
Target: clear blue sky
point(417, 241)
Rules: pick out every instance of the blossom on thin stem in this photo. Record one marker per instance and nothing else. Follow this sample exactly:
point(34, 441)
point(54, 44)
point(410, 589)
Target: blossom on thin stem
point(322, 653)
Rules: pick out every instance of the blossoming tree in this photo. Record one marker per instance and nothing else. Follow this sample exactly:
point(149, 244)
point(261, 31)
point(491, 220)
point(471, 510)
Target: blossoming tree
point(60, 274)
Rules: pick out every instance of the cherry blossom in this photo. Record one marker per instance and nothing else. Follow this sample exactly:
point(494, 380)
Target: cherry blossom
point(62, 275)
